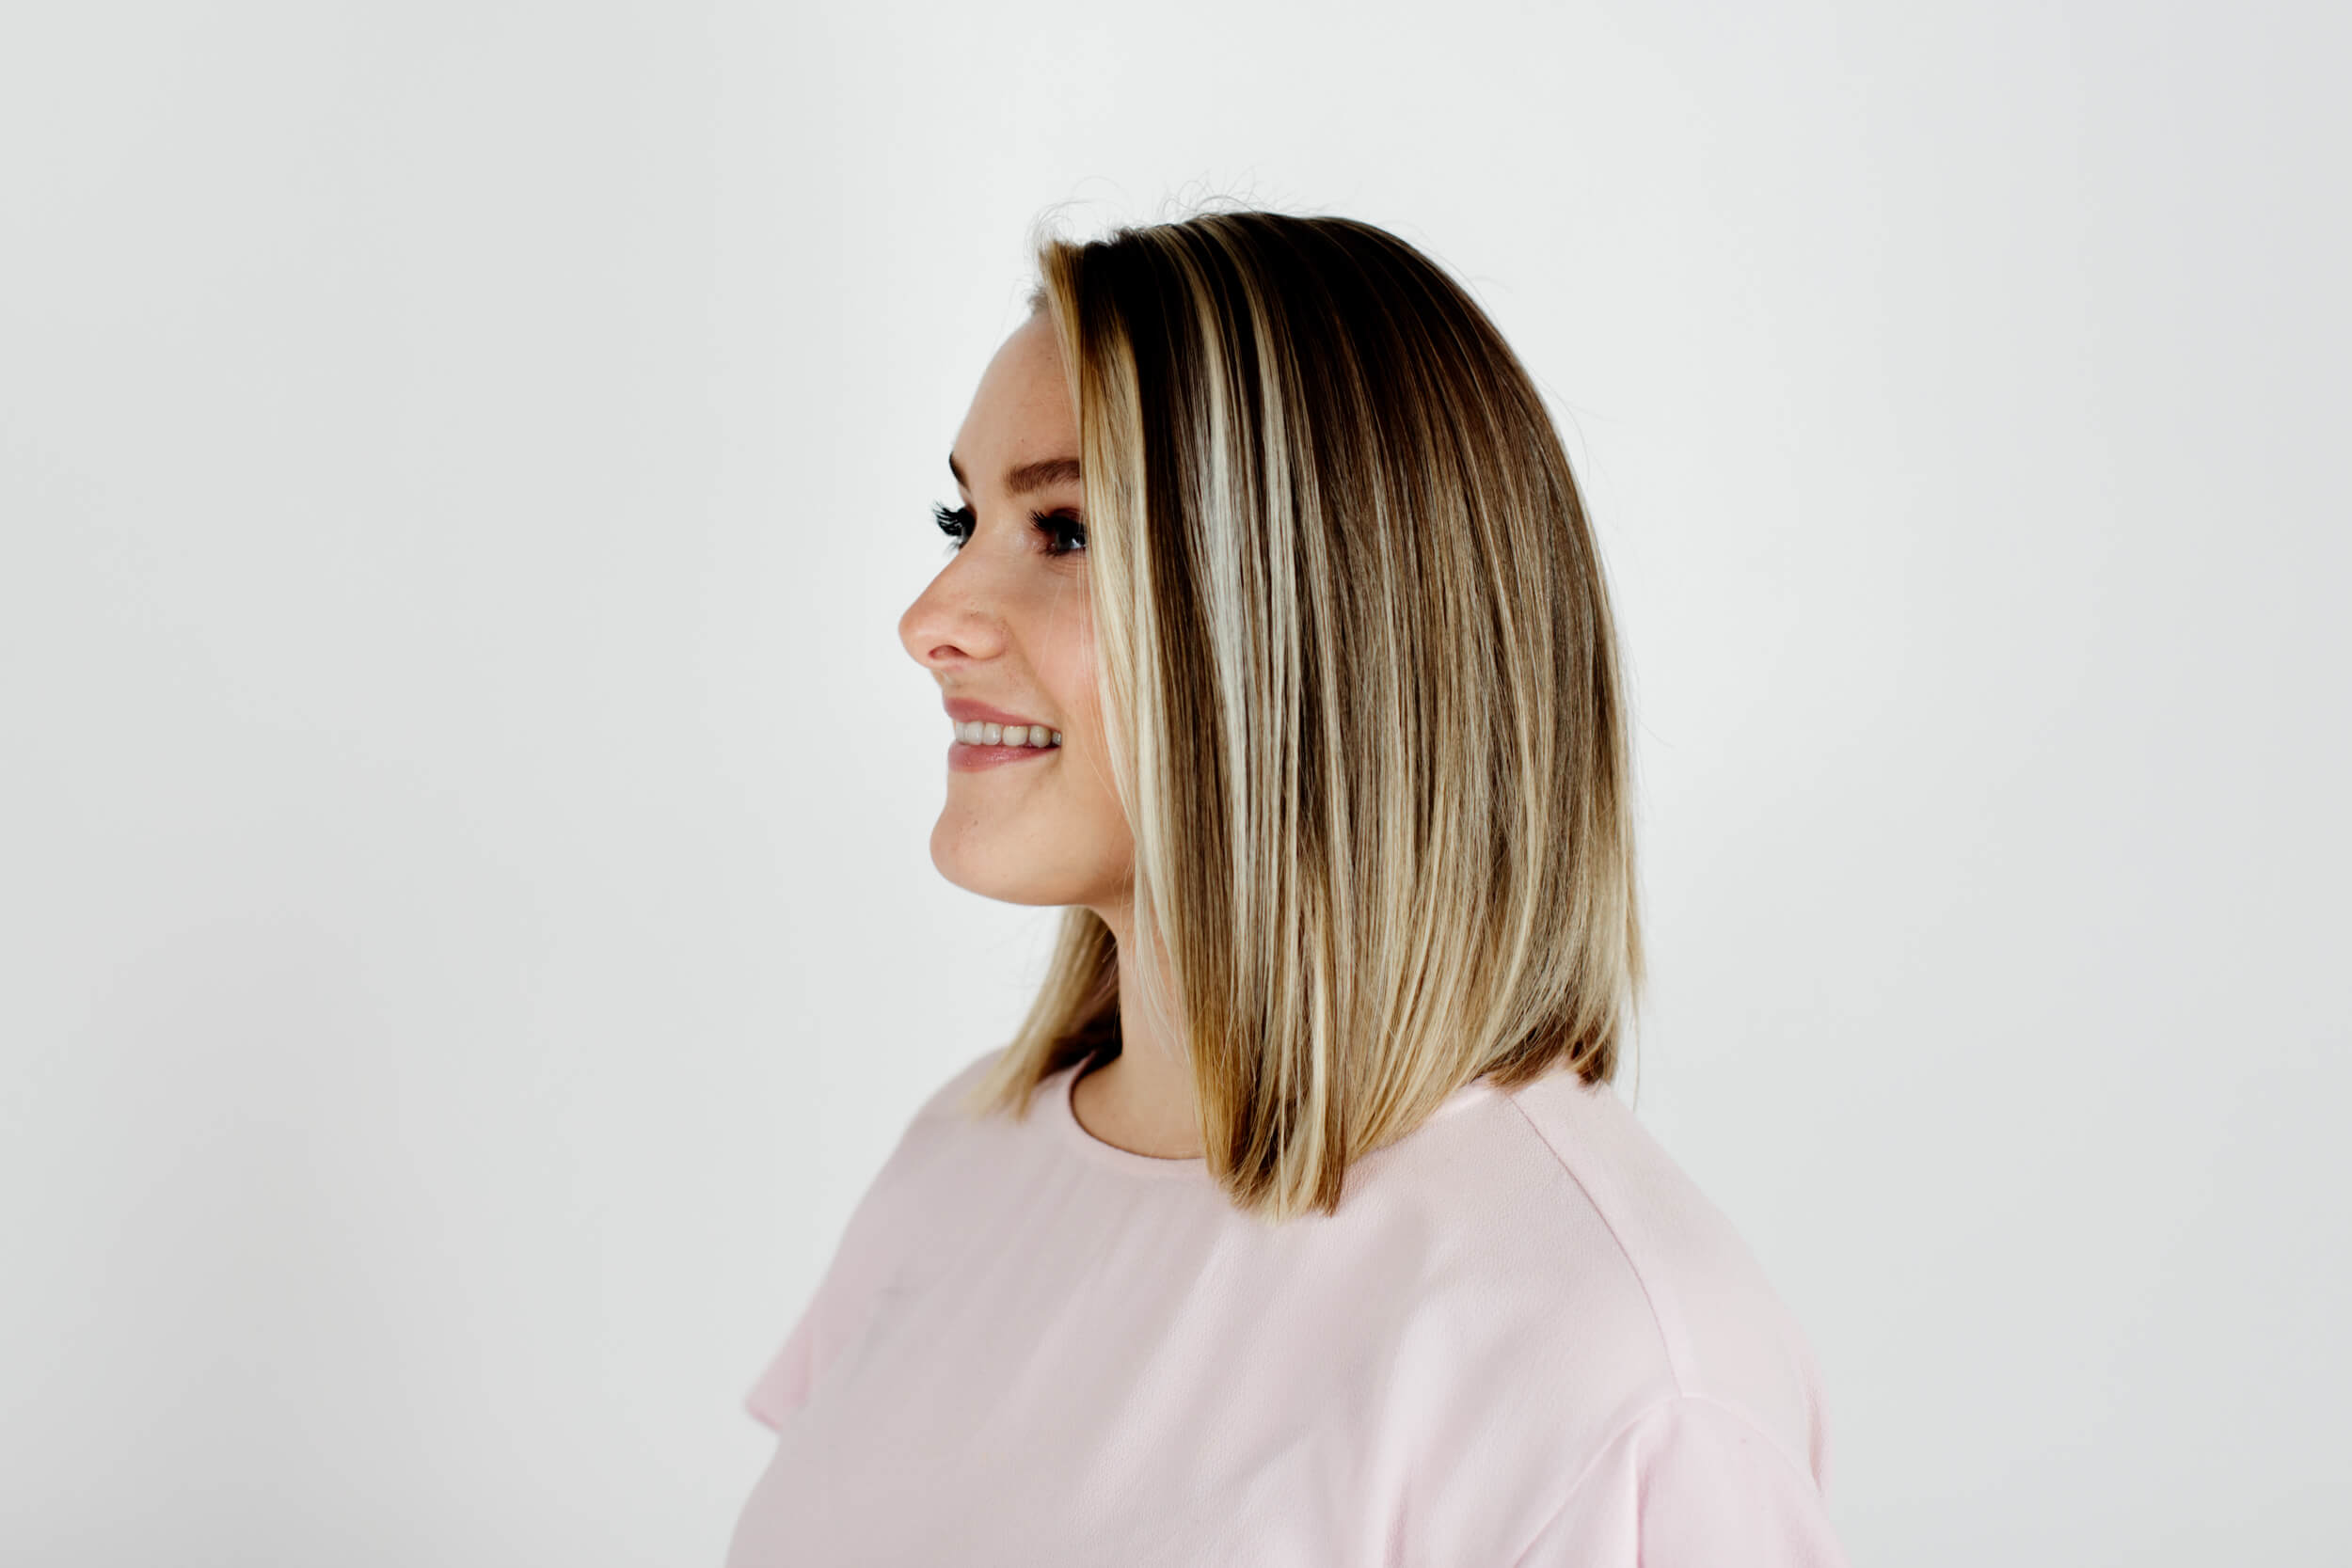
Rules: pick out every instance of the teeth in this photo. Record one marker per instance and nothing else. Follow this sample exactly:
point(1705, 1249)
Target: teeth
point(979, 733)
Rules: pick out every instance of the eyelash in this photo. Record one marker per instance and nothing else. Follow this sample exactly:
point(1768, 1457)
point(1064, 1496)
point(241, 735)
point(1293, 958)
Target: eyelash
point(1057, 527)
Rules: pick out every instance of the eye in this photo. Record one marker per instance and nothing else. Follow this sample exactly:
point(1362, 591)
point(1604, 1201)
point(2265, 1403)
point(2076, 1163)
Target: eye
point(1061, 532)
point(956, 525)
point(1064, 533)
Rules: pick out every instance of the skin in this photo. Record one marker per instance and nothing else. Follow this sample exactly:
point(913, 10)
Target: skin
point(1008, 623)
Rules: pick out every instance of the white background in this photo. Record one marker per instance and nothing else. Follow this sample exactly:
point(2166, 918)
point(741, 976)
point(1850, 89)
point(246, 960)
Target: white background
point(466, 930)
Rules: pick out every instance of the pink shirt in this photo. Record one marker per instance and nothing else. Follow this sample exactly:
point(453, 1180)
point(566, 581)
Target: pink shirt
point(1524, 1341)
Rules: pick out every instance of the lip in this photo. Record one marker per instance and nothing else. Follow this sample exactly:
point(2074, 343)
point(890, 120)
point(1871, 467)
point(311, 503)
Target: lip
point(970, 759)
point(967, 759)
point(964, 711)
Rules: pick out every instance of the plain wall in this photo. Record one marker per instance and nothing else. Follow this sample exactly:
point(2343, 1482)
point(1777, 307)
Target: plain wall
point(467, 935)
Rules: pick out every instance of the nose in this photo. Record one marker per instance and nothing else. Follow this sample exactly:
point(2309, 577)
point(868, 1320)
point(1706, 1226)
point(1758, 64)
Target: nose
point(954, 621)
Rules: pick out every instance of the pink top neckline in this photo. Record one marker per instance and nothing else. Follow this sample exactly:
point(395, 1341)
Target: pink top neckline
point(1061, 1088)
point(1060, 1092)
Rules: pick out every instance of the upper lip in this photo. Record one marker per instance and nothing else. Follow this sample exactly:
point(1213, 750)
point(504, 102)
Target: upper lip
point(964, 711)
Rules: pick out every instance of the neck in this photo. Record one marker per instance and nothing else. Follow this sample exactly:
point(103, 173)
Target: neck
point(1142, 1101)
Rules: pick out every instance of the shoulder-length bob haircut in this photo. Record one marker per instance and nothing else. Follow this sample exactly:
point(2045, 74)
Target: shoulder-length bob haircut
point(1361, 691)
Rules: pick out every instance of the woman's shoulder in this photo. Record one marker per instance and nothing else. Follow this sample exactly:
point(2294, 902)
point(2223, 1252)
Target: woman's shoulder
point(930, 1138)
point(945, 1100)
point(1577, 1195)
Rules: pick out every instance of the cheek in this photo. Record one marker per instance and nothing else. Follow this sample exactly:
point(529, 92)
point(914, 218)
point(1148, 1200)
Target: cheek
point(1066, 663)
point(1067, 668)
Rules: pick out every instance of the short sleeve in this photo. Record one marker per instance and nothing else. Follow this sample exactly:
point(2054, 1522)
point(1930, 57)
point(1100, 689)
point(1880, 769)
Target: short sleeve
point(1691, 1485)
point(785, 1382)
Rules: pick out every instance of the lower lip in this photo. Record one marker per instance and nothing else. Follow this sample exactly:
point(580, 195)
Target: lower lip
point(966, 759)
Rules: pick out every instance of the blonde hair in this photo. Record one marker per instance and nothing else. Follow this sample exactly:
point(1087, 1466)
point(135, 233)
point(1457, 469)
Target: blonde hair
point(1355, 661)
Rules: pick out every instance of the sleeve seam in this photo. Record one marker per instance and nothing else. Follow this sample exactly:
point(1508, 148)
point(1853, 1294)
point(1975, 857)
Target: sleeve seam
point(1666, 1339)
point(1648, 1413)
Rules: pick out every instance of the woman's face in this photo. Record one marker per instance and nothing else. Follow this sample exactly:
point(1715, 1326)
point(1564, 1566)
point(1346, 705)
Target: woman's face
point(1008, 629)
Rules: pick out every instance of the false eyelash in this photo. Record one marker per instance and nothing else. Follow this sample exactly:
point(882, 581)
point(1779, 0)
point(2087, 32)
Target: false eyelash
point(956, 523)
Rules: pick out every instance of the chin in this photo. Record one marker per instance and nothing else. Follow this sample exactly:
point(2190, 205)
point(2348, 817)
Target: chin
point(1001, 875)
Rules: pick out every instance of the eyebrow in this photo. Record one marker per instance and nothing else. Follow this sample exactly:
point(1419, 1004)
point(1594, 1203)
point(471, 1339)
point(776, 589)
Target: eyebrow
point(1027, 479)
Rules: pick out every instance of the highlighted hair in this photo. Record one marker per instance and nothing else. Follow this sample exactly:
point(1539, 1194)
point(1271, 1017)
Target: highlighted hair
point(1362, 694)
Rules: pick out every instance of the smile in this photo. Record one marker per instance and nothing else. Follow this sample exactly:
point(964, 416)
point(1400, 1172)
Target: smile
point(964, 756)
point(1036, 737)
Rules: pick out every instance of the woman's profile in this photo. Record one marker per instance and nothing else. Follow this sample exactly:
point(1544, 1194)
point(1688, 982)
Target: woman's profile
point(1299, 1223)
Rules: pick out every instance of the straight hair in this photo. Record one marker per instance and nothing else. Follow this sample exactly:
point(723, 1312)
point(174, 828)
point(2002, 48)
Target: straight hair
point(1362, 693)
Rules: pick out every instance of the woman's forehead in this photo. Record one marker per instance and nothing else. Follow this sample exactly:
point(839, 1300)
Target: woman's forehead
point(1020, 415)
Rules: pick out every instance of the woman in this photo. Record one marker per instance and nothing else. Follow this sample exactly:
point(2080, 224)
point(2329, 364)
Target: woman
point(1299, 1225)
